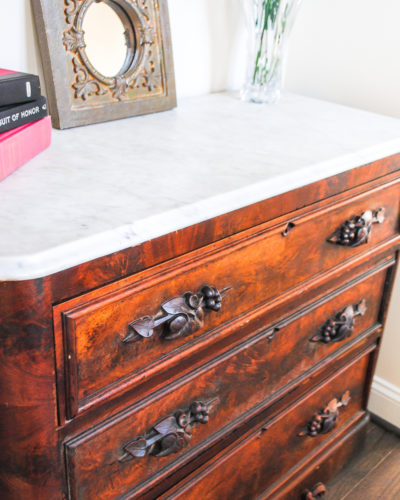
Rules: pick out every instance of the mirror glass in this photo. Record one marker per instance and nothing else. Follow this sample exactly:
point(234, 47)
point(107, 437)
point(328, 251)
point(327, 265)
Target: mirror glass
point(105, 39)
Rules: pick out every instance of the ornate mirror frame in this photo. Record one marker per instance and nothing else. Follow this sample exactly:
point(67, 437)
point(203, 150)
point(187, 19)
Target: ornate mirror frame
point(78, 94)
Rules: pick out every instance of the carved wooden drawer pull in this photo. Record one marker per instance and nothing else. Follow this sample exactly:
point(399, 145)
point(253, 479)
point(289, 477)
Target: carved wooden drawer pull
point(356, 231)
point(170, 435)
point(318, 491)
point(326, 419)
point(180, 316)
point(341, 326)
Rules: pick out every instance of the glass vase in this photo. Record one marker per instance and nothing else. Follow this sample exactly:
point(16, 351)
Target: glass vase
point(270, 23)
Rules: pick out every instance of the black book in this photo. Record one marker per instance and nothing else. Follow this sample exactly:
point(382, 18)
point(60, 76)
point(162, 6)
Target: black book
point(16, 88)
point(14, 116)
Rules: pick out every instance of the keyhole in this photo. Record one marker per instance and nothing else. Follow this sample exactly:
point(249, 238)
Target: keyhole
point(289, 227)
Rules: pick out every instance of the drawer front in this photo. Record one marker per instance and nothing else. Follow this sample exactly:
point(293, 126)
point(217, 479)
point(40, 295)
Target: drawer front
point(233, 384)
point(281, 443)
point(314, 475)
point(109, 339)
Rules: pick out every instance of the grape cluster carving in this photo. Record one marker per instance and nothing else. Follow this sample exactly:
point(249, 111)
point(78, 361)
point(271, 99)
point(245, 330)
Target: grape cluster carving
point(169, 435)
point(180, 316)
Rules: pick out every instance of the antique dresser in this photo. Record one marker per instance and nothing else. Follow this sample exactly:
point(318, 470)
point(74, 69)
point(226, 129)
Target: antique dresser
point(192, 302)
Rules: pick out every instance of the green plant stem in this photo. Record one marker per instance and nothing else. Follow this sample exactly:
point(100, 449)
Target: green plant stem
point(269, 13)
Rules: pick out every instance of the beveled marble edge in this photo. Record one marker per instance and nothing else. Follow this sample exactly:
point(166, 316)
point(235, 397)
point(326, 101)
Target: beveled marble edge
point(60, 258)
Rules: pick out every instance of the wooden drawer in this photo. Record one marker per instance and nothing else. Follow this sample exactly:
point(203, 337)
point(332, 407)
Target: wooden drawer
point(278, 445)
point(335, 453)
point(239, 381)
point(105, 340)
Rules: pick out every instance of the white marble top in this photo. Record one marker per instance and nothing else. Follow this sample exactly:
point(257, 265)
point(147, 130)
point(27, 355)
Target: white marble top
point(106, 187)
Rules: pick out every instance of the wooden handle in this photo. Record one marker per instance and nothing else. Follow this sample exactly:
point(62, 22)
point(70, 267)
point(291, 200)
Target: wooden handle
point(318, 491)
point(326, 419)
point(179, 317)
point(341, 326)
point(357, 230)
point(170, 435)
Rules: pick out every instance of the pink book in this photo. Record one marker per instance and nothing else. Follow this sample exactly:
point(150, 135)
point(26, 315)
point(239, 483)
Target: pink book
point(23, 143)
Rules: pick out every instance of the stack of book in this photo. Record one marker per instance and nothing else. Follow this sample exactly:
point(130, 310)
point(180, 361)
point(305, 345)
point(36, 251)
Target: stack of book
point(25, 127)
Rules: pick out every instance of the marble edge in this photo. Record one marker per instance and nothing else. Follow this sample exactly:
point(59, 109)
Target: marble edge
point(80, 251)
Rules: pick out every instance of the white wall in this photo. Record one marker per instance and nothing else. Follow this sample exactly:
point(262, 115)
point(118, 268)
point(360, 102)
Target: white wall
point(208, 35)
point(343, 51)
point(18, 49)
point(347, 51)
point(209, 45)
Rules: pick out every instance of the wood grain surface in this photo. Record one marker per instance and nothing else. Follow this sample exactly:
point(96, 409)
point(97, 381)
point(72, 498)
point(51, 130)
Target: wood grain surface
point(275, 447)
point(303, 271)
point(258, 265)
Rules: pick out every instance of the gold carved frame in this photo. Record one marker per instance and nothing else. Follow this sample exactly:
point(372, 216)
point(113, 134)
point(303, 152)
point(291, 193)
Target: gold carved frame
point(77, 92)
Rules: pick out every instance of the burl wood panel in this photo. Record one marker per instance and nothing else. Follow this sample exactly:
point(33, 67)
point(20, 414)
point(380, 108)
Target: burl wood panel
point(30, 461)
point(259, 265)
point(236, 382)
point(244, 471)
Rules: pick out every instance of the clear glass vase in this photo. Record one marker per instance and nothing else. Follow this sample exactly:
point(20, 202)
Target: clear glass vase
point(270, 23)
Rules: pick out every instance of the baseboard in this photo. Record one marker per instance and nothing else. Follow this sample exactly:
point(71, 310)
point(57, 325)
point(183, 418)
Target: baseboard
point(385, 424)
point(385, 401)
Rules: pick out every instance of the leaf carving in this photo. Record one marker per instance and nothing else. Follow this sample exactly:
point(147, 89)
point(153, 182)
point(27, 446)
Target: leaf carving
point(138, 448)
point(152, 80)
point(141, 76)
point(356, 231)
point(84, 87)
point(70, 10)
point(147, 35)
point(143, 326)
point(345, 399)
point(332, 406)
point(166, 426)
point(362, 308)
point(326, 419)
point(73, 39)
point(120, 87)
point(177, 305)
point(342, 325)
point(171, 434)
point(179, 316)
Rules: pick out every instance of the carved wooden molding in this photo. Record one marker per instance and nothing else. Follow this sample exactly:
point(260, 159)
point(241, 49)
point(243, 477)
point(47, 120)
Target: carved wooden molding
point(79, 93)
point(141, 72)
point(326, 419)
point(179, 317)
point(171, 434)
point(356, 231)
point(318, 491)
point(341, 326)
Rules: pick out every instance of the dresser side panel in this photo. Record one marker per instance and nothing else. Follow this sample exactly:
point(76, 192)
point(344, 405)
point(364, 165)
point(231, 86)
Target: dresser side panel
point(30, 465)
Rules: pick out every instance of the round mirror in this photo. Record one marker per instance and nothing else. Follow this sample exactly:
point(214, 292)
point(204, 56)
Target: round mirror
point(105, 38)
